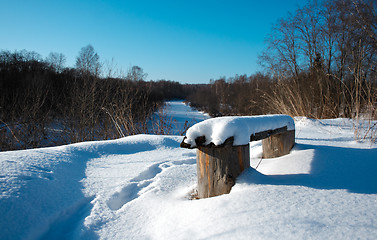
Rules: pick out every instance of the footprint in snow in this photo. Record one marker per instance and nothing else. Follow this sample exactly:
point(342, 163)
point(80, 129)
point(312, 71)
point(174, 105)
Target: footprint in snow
point(139, 184)
point(134, 189)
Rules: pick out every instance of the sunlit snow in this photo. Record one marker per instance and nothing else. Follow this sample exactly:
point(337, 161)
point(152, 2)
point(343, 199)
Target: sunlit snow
point(138, 188)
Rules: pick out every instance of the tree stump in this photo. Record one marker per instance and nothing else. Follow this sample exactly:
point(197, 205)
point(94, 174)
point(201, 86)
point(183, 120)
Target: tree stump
point(278, 145)
point(219, 166)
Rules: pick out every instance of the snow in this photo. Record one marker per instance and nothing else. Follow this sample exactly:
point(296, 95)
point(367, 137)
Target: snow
point(183, 117)
point(217, 130)
point(138, 188)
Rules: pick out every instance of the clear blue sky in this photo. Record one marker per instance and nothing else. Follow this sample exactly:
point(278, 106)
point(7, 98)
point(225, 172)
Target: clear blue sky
point(186, 41)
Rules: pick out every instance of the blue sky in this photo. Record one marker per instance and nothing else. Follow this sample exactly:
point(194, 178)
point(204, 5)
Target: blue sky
point(186, 41)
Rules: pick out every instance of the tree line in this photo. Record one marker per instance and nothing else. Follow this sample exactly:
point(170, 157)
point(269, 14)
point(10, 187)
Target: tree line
point(320, 62)
point(239, 95)
point(323, 59)
point(44, 103)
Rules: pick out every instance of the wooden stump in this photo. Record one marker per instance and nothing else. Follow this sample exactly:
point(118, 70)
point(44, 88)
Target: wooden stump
point(278, 145)
point(219, 166)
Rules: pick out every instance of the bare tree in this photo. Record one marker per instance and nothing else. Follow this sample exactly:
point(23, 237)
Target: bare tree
point(87, 62)
point(56, 61)
point(324, 60)
point(136, 73)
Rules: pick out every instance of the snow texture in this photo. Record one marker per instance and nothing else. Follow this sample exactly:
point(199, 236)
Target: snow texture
point(137, 188)
point(217, 130)
point(183, 117)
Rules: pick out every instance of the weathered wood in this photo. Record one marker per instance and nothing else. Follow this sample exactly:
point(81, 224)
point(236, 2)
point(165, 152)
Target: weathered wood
point(199, 141)
point(278, 145)
point(218, 167)
point(265, 134)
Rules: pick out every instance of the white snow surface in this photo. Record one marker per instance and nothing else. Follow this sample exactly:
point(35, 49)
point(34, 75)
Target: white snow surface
point(137, 188)
point(217, 130)
point(183, 116)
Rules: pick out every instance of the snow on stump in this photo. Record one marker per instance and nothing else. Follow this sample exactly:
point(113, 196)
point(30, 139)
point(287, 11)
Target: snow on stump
point(223, 147)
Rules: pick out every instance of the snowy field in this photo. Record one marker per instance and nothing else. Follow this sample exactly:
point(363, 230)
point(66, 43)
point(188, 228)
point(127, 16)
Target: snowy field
point(137, 188)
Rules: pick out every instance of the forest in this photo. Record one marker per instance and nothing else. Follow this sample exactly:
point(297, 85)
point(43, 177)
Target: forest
point(320, 62)
point(44, 103)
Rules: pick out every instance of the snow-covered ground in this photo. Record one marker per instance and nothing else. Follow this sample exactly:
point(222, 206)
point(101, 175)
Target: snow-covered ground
point(179, 117)
point(137, 188)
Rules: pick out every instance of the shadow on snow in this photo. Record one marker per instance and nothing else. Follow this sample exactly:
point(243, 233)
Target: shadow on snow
point(354, 170)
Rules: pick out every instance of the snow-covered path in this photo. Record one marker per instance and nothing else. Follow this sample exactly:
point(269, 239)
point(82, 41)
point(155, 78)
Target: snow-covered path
point(181, 116)
point(137, 188)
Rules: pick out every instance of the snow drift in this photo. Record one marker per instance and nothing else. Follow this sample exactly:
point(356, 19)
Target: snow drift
point(137, 188)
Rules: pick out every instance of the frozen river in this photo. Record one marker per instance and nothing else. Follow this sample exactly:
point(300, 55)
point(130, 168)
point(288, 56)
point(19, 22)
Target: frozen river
point(182, 116)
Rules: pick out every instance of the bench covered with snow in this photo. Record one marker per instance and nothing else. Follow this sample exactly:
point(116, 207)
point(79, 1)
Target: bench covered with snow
point(223, 147)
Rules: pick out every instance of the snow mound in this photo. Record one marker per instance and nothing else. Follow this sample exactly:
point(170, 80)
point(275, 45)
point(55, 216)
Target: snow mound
point(63, 192)
point(138, 188)
point(217, 130)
